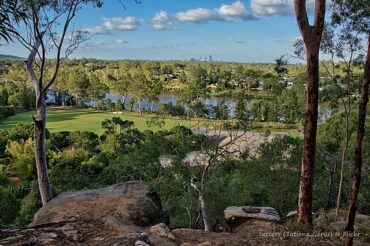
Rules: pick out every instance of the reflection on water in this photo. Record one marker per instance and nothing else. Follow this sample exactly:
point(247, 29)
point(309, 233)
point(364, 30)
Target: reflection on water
point(171, 98)
point(324, 112)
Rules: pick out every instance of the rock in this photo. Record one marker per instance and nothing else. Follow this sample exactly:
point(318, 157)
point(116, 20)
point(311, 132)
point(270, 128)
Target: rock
point(132, 202)
point(186, 244)
point(338, 225)
point(143, 237)
point(241, 218)
point(204, 244)
point(141, 243)
point(162, 230)
point(293, 214)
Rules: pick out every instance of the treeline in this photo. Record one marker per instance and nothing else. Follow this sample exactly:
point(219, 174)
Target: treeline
point(278, 89)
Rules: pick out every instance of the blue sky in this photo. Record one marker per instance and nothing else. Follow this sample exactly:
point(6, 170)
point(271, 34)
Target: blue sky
point(229, 30)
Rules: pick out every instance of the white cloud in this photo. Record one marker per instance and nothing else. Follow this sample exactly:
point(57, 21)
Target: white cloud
point(226, 12)
point(114, 24)
point(197, 15)
point(234, 10)
point(166, 21)
point(162, 21)
point(120, 41)
point(276, 7)
point(97, 30)
point(121, 23)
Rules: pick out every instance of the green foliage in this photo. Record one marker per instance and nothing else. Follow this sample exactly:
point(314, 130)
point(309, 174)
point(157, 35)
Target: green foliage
point(276, 173)
point(241, 112)
point(170, 109)
point(3, 178)
point(16, 93)
point(59, 140)
point(23, 158)
point(196, 91)
point(290, 104)
point(221, 111)
point(72, 173)
point(29, 205)
point(9, 205)
point(6, 112)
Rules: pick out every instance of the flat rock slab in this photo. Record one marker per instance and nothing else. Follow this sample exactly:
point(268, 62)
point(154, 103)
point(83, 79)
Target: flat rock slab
point(263, 213)
point(132, 202)
point(241, 218)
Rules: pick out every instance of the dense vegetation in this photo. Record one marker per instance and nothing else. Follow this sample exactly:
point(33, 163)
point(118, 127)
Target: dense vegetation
point(121, 152)
point(84, 160)
point(276, 89)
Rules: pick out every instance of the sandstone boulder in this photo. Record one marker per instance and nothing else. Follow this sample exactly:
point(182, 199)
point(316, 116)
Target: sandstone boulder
point(133, 202)
point(243, 218)
point(162, 230)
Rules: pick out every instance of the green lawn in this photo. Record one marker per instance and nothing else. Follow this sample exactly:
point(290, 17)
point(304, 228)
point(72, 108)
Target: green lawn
point(72, 119)
point(68, 119)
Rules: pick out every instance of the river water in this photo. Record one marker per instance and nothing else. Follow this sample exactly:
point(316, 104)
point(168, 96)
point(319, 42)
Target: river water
point(324, 112)
point(172, 98)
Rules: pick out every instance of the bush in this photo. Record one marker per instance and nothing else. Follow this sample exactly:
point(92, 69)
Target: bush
point(6, 112)
point(75, 173)
point(23, 158)
point(170, 109)
point(9, 206)
point(29, 205)
point(3, 179)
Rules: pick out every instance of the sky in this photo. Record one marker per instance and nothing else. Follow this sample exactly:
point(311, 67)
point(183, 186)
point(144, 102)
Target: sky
point(227, 30)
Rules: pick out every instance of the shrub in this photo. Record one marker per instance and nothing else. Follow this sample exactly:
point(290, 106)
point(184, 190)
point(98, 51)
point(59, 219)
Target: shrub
point(9, 206)
point(6, 112)
point(29, 205)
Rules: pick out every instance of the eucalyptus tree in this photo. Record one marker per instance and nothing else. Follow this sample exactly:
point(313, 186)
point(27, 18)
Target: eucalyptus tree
point(311, 35)
point(138, 86)
point(196, 91)
point(11, 12)
point(154, 84)
point(118, 79)
point(96, 90)
point(44, 27)
point(280, 66)
point(356, 14)
point(344, 46)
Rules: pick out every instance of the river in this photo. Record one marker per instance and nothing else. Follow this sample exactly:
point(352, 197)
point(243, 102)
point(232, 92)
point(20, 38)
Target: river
point(324, 112)
point(172, 98)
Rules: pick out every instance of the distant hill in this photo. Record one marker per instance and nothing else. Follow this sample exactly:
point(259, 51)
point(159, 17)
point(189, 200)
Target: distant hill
point(2, 56)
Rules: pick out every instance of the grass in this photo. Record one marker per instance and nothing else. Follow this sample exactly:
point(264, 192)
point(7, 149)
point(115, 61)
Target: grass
point(70, 119)
point(74, 119)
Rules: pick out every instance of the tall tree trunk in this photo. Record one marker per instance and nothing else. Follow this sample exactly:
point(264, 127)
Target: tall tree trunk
point(309, 144)
point(139, 106)
point(202, 201)
point(356, 179)
point(40, 155)
point(343, 159)
point(152, 107)
point(312, 38)
point(124, 98)
point(330, 186)
point(39, 128)
point(203, 210)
